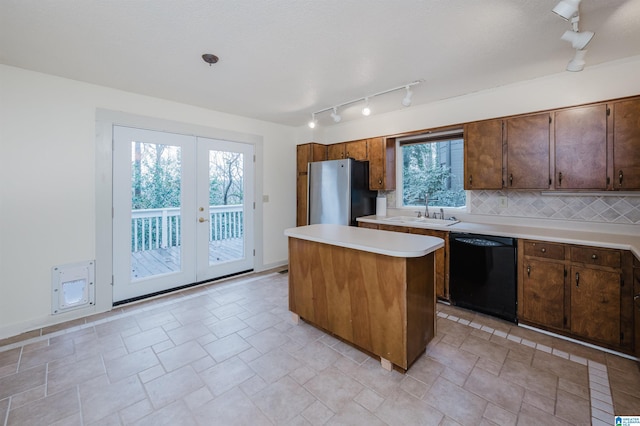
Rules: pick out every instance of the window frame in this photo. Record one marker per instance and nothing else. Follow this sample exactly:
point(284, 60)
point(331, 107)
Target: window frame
point(426, 137)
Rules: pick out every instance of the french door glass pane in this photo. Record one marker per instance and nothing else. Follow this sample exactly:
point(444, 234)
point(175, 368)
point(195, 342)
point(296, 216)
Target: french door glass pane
point(155, 209)
point(226, 212)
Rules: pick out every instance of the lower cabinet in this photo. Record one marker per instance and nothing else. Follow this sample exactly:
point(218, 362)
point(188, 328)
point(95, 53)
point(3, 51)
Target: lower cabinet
point(595, 304)
point(441, 255)
point(542, 299)
point(581, 292)
point(636, 304)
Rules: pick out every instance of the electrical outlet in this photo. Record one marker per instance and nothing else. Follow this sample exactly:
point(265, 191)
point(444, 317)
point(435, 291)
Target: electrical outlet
point(503, 202)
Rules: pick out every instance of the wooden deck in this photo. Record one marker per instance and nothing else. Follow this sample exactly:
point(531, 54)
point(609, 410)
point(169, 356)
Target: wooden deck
point(162, 261)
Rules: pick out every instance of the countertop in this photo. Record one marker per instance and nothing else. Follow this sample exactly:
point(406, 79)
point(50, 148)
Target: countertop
point(623, 240)
point(388, 243)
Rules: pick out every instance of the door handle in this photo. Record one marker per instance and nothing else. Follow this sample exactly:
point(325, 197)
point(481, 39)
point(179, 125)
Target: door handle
point(511, 179)
point(620, 177)
point(560, 179)
point(528, 270)
point(202, 219)
point(577, 279)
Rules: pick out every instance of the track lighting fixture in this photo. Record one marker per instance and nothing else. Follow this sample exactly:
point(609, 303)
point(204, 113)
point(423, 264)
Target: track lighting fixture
point(366, 110)
point(406, 101)
point(570, 11)
point(313, 121)
point(567, 8)
point(336, 117)
point(577, 63)
point(578, 40)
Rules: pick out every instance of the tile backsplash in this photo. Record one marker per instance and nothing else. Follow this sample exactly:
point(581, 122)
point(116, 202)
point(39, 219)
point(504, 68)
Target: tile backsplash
point(622, 209)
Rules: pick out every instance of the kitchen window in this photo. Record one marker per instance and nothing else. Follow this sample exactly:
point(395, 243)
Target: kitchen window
point(431, 165)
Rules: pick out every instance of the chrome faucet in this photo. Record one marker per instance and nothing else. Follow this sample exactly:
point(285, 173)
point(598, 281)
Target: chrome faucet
point(426, 205)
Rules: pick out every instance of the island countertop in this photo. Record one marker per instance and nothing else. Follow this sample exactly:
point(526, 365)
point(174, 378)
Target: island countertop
point(388, 243)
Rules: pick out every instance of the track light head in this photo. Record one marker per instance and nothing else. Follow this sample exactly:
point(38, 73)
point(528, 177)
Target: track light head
point(406, 101)
point(366, 111)
point(336, 117)
point(313, 121)
point(567, 8)
point(577, 63)
point(578, 40)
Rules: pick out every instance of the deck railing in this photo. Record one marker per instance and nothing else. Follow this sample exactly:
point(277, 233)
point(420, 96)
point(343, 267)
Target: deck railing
point(160, 228)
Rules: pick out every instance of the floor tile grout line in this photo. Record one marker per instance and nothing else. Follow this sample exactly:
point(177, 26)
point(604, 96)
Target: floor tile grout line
point(561, 354)
point(114, 317)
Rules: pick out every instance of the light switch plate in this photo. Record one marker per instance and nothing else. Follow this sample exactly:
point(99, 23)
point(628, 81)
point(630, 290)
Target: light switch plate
point(265, 198)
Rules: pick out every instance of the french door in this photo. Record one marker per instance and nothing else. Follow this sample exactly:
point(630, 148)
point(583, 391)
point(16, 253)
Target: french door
point(183, 210)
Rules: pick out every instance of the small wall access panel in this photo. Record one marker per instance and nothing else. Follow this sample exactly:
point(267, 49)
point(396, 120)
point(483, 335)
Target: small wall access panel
point(72, 286)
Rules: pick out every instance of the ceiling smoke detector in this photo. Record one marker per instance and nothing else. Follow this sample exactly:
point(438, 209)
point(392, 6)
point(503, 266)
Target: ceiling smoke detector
point(210, 58)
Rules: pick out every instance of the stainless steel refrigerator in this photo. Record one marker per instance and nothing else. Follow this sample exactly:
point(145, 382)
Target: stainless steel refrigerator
point(338, 192)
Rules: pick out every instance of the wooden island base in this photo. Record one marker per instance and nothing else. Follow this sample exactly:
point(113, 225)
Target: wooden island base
point(382, 304)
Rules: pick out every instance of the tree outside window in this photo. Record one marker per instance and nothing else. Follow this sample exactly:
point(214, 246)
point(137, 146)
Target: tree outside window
point(434, 168)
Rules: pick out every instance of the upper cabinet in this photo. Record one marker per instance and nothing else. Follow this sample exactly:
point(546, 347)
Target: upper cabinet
point(379, 152)
point(382, 163)
point(626, 145)
point(358, 150)
point(581, 148)
point(593, 147)
point(305, 154)
point(483, 155)
point(528, 147)
point(335, 151)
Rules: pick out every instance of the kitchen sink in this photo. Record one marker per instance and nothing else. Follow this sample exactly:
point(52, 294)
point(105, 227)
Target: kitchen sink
point(420, 220)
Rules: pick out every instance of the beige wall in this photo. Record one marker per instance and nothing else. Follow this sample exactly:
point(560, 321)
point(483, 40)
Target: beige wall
point(48, 184)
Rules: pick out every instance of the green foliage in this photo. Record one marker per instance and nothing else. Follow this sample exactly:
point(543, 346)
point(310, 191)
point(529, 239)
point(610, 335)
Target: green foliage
point(424, 174)
point(156, 177)
point(156, 174)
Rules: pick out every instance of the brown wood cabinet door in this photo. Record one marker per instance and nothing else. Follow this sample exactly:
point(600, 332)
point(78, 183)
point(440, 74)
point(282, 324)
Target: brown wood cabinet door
point(303, 156)
point(626, 144)
point(636, 304)
point(581, 148)
point(301, 200)
point(382, 164)
point(307, 153)
point(442, 270)
point(543, 293)
point(335, 151)
point(528, 152)
point(357, 150)
point(483, 155)
point(595, 304)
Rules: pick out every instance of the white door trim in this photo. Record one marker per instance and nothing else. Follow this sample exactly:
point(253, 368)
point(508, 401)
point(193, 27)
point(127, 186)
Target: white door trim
point(105, 120)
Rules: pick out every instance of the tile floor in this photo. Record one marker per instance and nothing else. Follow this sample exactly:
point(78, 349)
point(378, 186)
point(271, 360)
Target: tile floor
point(228, 354)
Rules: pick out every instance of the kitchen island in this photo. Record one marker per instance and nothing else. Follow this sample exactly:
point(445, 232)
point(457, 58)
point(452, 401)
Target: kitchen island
point(373, 289)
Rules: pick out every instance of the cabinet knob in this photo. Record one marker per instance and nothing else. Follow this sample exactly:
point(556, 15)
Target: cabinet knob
point(577, 279)
point(544, 250)
point(379, 181)
point(470, 180)
point(511, 179)
point(594, 256)
point(620, 176)
point(560, 179)
point(528, 270)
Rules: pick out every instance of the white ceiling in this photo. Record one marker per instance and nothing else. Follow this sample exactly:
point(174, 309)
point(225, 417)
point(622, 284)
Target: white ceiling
point(281, 60)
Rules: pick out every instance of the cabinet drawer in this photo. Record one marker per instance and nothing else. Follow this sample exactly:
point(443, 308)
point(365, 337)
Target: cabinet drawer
point(544, 249)
point(594, 256)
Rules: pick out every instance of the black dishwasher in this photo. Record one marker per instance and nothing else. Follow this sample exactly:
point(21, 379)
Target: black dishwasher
point(482, 274)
